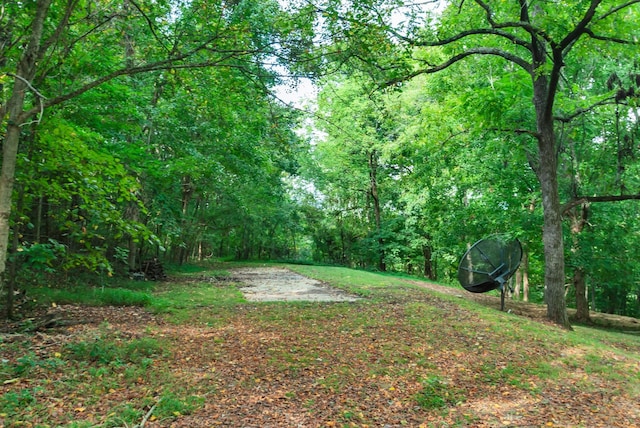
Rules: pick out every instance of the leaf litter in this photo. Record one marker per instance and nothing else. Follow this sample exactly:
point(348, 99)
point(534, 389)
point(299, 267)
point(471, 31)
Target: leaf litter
point(424, 362)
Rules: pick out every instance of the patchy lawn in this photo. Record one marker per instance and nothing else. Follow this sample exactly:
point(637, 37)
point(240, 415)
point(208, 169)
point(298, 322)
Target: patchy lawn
point(401, 357)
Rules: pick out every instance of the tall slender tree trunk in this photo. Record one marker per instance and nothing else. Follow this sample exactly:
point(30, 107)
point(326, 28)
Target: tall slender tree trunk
point(7, 175)
point(579, 216)
point(14, 113)
point(377, 212)
point(522, 278)
point(582, 302)
point(427, 254)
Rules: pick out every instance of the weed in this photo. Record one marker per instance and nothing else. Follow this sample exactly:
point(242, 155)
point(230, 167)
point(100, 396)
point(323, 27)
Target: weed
point(436, 394)
point(104, 350)
point(82, 424)
point(172, 405)
point(14, 402)
point(99, 296)
point(25, 364)
point(98, 351)
point(123, 415)
point(122, 297)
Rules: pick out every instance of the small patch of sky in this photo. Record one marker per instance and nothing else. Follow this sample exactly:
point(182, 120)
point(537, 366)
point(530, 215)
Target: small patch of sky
point(303, 191)
point(598, 141)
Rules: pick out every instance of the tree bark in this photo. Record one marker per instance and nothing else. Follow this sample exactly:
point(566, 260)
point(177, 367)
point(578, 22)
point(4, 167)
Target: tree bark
point(25, 72)
point(578, 217)
point(373, 190)
point(524, 267)
point(428, 263)
point(582, 302)
point(545, 85)
point(552, 224)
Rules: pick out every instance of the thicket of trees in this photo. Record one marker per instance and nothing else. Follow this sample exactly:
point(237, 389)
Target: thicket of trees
point(138, 129)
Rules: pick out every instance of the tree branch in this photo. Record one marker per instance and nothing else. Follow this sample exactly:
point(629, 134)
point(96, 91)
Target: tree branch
point(524, 23)
point(456, 58)
point(474, 32)
point(35, 91)
point(616, 9)
point(581, 111)
point(150, 24)
point(71, 4)
point(580, 28)
point(594, 36)
point(594, 199)
point(174, 62)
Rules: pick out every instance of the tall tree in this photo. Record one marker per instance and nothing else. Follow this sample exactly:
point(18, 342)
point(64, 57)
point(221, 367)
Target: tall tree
point(354, 161)
point(536, 38)
point(48, 55)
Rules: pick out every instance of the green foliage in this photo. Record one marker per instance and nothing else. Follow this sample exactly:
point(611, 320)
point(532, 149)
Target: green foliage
point(85, 189)
point(93, 296)
point(14, 403)
point(124, 297)
point(173, 404)
point(436, 394)
point(184, 164)
point(104, 350)
point(40, 257)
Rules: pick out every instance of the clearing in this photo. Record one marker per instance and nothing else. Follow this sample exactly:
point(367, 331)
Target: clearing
point(401, 357)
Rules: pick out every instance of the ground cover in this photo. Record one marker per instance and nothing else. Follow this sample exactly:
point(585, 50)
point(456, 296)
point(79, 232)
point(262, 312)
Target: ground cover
point(201, 355)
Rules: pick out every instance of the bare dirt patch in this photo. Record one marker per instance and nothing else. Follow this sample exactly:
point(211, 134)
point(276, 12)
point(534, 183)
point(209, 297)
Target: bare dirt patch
point(278, 284)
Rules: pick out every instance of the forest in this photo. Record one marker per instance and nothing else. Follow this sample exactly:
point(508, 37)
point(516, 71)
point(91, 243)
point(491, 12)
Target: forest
point(135, 130)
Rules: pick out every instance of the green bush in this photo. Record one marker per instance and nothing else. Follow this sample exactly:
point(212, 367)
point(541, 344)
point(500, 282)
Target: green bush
point(172, 405)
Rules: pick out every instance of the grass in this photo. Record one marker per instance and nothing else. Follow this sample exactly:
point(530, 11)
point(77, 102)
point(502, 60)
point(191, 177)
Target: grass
point(126, 293)
point(402, 352)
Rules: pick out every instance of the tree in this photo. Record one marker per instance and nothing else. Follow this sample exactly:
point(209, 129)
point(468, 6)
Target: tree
point(536, 38)
point(47, 51)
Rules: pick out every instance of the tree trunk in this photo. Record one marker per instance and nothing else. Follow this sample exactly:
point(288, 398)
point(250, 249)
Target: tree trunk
point(582, 303)
point(373, 176)
point(428, 263)
point(545, 85)
point(547, 171)
point(524, 266)
point(579, 217)
point(552, 229)
point(9, 154)
point(16, 117)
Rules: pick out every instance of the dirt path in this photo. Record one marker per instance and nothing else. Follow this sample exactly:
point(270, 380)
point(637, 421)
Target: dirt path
point(279, 284)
